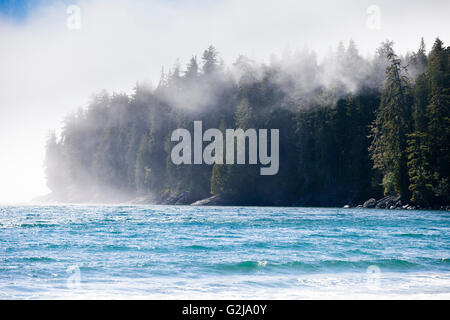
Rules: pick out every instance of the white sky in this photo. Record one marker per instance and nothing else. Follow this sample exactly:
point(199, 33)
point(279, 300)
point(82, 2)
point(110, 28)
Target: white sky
point(47, 70)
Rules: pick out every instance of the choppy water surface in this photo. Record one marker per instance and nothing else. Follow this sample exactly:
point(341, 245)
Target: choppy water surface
point(222, 252)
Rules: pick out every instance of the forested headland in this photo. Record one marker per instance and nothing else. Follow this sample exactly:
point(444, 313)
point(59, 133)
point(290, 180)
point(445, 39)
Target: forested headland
point(351, 128)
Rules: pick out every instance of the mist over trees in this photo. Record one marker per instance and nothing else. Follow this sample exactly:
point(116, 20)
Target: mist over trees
point(351, 128)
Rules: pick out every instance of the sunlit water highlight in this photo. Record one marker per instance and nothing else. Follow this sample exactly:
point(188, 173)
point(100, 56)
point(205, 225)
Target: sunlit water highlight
point(161, 252)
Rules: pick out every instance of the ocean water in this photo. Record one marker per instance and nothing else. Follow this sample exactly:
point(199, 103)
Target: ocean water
point(181, 252)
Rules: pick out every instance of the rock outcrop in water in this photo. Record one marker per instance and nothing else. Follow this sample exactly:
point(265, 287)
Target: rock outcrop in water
point(211, 201)
point(371, 203)
point(395, 202)
point(388, 202)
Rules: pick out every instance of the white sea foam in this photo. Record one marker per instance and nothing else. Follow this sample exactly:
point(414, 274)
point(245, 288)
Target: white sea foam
point(320, 286)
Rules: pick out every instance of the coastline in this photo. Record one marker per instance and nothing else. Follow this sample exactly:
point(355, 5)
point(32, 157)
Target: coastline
point(392, 202)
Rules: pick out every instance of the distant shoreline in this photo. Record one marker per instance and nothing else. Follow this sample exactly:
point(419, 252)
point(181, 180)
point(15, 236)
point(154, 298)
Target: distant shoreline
point(385, 203)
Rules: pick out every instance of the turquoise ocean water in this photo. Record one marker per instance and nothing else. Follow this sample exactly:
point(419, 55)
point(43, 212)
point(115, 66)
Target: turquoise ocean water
point(161, 252)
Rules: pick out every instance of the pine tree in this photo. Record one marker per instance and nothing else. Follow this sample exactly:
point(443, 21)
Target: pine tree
point(418, 141)
point(237, 181)
point(191, 73)
point(419, 170)
point(210, 60)
point(391, 127)
point(418, 61)
point(438, 112)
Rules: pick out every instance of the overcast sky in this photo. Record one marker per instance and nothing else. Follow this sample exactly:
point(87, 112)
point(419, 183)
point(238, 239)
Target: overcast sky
point(48, 70)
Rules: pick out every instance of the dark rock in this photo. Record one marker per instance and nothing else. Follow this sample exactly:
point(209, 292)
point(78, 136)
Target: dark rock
point(183, 198)
point(382, 203)
point(215, 200)
point(370, 203)
point(388, 202)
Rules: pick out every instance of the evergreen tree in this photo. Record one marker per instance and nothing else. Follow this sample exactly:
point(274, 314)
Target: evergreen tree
point(192, 70)
point(418, 61)
point(438, 112)
point(419, 168)
point(210, 60)
point(391, 127)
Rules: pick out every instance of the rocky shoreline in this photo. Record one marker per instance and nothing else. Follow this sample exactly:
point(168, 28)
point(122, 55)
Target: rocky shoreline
point(185, 198)
point(395, 203)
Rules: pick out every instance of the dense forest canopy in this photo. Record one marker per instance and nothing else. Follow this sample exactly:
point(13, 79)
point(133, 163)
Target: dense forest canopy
point(350, 128)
